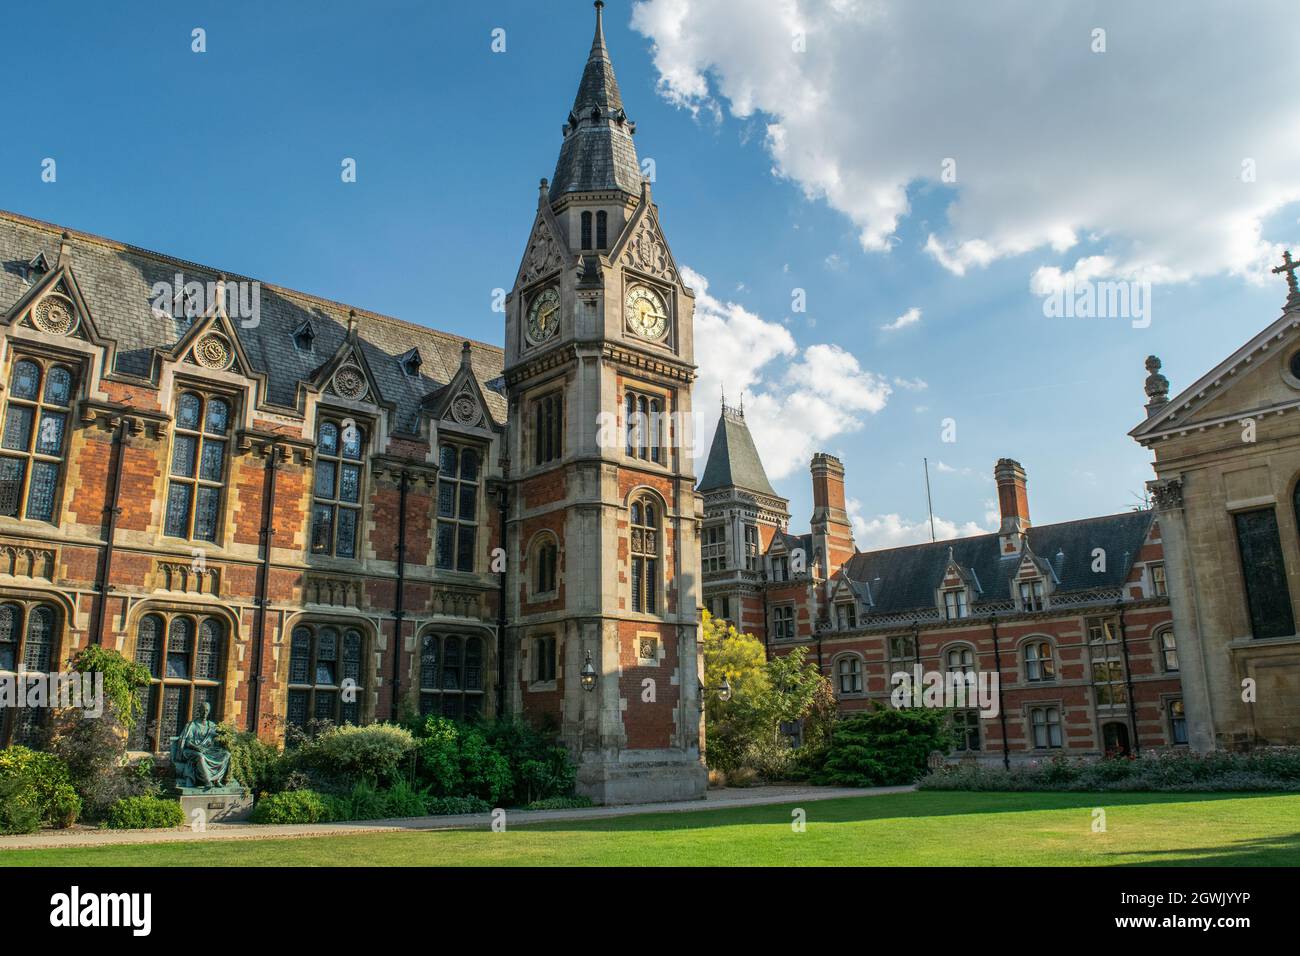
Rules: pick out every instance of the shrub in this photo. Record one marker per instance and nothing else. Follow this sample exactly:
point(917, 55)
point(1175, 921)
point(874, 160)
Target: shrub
point(498, 762)
point(439, 757)
point(94, 750)
point(884, 747)
point(44, 783)
point(254, 763)
point(18, 811)
point(349, 754)
point(560, 803)
point(770, 759)
point(742, 777)
point(446, 806)
point(538, 767)
point(404, 800)
point(145, 813)
point(292, 806)
point(1166, 771)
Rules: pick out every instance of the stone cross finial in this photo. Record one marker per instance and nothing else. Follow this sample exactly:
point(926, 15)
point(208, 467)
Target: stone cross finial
point(1289, 266)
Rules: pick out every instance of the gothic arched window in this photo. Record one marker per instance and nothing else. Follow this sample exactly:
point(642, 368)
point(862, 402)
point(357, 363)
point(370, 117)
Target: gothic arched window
point(602, 234)
point(34, 442)
point(29, 639)
point(548, 428)
point(185, 656)
point(325, 674)
point(643, 414)
point(336, 503)
point(645, 555)
point(546, 559)
point(198, 469)
point(451, 676)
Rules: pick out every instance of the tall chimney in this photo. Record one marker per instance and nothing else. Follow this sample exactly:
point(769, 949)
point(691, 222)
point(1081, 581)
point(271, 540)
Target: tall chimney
point(1013, 502)
point(831, 528)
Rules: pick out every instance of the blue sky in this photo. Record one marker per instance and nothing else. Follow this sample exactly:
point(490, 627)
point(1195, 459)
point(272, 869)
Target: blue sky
point(232, 158)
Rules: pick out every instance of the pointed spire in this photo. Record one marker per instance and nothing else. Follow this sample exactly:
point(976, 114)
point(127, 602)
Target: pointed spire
point(597, 154)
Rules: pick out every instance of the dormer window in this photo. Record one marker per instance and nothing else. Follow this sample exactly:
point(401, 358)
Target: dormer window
point(411, 363)
point(303, 337)
point(954, 603)
point(846, 616)
point(1031, 595)
point(780, 569)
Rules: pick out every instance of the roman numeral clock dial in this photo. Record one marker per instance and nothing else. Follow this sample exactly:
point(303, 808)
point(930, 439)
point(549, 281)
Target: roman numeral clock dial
point(544, 315)
point(647, 314)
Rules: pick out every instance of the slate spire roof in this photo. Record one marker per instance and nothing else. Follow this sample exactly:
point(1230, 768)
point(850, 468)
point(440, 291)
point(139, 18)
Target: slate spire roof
point(733, 460)
point(597, 153)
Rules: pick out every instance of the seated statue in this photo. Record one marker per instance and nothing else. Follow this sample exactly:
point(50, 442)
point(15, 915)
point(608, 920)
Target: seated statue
point(199, 761)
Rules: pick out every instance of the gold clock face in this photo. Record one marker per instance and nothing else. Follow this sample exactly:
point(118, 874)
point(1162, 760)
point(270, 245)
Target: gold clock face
point(544, 315)
point(647, 314)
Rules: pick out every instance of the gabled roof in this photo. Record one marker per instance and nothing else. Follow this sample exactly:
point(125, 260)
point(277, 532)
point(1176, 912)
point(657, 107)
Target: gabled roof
point(733, 460)
point(116, 281)
point(905, 579)
point(597, 153)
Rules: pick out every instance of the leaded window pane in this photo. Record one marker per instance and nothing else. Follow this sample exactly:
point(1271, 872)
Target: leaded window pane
point(465, 548)
point(447, 460)
point(325, 479)
point(40, 494)
point(175, 712)
point(446, 499)
point(8, 636)
point(469, 465)
point(473, 705)
point(207, 514)
point(146, 724)
point(11, 485)
point(218, 417)
point(347, 544)
point(429, 661)
point(183, 456)
point(26, 381)
point(39, 645)
point(148, 645)
point(322, 527)
point(187, 411)
point(353, 438)
point(300, 656)
point(473, 664)
point(18, 428)
point(326, 705)
point(1268, 597)
point(446, 541)
point(207, 665)
point(58, 386)
point(297, 709)
point(468, 501)
point(209, 696)
point(49, 437)
point(451, 664)
point(352, 656)
point(451, 706)
point(214, 457)
point(350, 483)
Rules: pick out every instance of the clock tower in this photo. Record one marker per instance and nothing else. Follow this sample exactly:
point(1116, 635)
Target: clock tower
point(602, 517)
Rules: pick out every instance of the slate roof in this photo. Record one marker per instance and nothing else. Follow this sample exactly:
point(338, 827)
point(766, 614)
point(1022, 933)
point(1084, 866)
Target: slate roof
point(909, 575)
point(733, 460)
point(116, 280)
point(597, 153)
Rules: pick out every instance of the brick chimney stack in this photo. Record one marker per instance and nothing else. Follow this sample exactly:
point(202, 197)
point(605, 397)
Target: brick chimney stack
point(1013, 501)
point(831, 528)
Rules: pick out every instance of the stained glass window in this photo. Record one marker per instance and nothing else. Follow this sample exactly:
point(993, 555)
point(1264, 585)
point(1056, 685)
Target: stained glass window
point(326, 674)
point(33, 441)
point(185, 656)
point(336, 511)
point(198, 467)
point(451, 675)
point(645, 556)
point(458, 487)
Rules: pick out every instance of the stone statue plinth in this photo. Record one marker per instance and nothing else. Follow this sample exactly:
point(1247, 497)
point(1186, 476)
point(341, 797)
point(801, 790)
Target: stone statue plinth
point(208, 793)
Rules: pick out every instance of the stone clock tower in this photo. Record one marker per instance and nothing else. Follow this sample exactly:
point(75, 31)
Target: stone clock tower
point(602, 514)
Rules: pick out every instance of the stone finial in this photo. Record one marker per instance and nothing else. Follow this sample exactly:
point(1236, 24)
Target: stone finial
point(465, 348)
point(1157, 386)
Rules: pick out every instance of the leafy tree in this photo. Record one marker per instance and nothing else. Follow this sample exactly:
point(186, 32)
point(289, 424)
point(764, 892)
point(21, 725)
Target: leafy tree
point(122, 681)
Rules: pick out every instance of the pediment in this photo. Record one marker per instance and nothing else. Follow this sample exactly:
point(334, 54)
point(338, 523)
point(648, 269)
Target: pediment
point(460, 403)
point(642, 246)
point(1255, 379)
point(347, 375)
point(212, 343)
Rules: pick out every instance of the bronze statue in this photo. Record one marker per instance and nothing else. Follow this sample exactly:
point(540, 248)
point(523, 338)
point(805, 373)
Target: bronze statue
point(199, 761)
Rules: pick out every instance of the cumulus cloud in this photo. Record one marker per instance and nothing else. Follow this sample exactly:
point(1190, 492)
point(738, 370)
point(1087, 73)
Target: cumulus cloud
point(1166, 152)
point(893, 530)
point(795, 399)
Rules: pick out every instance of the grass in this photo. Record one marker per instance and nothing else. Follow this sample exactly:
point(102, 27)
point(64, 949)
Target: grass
point(920, 829)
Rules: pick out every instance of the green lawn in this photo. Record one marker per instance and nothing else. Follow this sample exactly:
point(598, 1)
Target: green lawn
point(928, 829)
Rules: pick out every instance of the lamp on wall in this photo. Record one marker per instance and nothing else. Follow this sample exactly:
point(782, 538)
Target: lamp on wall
point(723, 689)
point(588, 674)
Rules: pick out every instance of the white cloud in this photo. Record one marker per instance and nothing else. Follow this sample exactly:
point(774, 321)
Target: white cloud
point(1140, 149)
point(893, 530)
point(912, 384)
point(795, 400)
point(910, 317)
